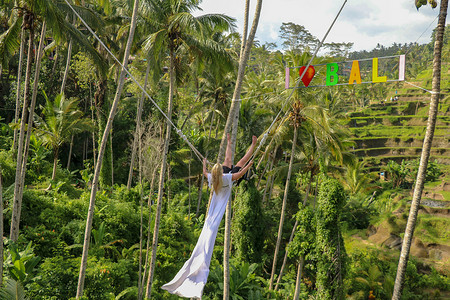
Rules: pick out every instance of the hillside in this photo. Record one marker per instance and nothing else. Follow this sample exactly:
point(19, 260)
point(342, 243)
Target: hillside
point(394, 130)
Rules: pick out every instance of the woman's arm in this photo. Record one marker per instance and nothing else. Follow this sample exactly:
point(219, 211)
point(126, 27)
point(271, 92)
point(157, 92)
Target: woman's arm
point(236, 176)
point(205, 172)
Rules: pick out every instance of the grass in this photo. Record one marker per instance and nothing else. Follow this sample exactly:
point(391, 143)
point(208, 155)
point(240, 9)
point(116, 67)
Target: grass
point(446, 195)
point(433, 229)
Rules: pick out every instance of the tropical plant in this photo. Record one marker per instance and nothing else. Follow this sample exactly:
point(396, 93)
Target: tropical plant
point(331, 266)
point(13, 290)
point(20, 264)
point(61, 120)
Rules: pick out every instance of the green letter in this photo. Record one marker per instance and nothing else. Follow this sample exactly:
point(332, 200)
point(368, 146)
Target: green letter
point(332, 70)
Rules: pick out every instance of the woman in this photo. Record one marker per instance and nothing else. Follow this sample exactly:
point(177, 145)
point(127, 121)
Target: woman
point(191, 279)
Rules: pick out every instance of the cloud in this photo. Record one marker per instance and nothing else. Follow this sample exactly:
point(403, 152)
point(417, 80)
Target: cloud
point(362, 22)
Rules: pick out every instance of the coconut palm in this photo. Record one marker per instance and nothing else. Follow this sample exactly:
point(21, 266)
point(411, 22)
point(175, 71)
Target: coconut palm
point(101, 152)
point(176, 31)
point(61, 120)
point(29, 13)
point(426, 149)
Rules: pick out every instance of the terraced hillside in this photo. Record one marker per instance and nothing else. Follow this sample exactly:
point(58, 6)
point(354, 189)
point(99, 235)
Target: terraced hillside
point(394, 130)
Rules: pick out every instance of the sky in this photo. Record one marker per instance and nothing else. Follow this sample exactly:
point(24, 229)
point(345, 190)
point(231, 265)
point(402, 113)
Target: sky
point(362, 22)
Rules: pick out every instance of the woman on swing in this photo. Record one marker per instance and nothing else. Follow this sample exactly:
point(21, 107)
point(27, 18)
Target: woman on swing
point(191, 279)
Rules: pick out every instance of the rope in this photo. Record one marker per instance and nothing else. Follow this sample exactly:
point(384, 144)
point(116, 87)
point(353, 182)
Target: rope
point(179, 132)
point(298, 81)
point(428, 91)
point(197, 153)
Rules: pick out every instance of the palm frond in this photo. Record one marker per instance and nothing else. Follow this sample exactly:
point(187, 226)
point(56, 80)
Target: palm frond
point(10, 41)
point(13, 290)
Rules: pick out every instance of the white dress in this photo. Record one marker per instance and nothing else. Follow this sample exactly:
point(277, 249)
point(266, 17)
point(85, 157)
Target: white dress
point(191, 279)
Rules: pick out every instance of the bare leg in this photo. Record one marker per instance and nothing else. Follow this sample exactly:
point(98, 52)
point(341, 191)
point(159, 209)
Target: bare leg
point(249, 153)
point(228, 162)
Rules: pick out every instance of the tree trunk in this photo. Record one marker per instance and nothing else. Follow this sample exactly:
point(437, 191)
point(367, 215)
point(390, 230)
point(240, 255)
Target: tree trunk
point(70, 153)
point(90, 216)
point(55, 163)
point(420, 181)
point(19, 81)
point(112, 158)
point(138, 124)
point(66, 71)
point(298, 281)
point(149, 204)
point(63, 86)
point(161, 177)
point(22, 159)
point(93, 122)
point(189, 182)
point(283, 208)
point(141, 204)
point(17, 204)
point(231, 125)
point(292, 235)
point(199, 200)
point(270, 179)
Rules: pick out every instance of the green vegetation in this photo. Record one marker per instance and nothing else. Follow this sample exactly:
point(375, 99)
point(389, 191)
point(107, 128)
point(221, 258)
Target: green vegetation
point(349, 217)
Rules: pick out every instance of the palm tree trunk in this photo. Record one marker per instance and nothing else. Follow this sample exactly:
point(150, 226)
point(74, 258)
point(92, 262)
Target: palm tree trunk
point(299, 277)
point(22, 163)
point(420, 181)
point(141, 204)
point(19, 81)
point(93, 122)
point(232, 121)
point(138, 124)
point(161, 177)
point(55, 163)
point(70, 153)
point(17, 204)
point(63, 86)
point(66, 71)
point(270, 179)
point(283, 209)
point(149, 204)
point(90, 216)
point(199, 200)
point(292, 235)
point(112, 158)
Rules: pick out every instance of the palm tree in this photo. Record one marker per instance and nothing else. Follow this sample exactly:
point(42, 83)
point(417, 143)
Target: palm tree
point(90, 217)
point(231, 126)
point(28, 13)
point(62, 120)
point(356, 178)
point(296, 120)
point(420, 181)
point(176, 30)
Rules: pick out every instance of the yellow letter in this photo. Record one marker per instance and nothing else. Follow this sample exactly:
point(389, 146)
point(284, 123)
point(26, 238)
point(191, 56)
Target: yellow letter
point(355, 74)
point(375, 77)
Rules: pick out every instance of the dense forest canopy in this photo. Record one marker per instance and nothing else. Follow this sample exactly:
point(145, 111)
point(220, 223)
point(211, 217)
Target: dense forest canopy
point(321, 214)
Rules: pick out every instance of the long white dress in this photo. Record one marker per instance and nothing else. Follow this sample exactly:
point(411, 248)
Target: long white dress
point(191, 279)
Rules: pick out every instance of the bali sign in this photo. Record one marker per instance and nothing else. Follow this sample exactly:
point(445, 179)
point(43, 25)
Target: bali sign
point(371, 70)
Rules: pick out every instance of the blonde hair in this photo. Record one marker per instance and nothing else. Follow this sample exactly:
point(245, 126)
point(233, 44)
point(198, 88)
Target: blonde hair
point(216, 174)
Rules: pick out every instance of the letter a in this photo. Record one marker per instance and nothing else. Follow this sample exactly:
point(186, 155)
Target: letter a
point(355, 73)
point(375, 77)
point(332, 73)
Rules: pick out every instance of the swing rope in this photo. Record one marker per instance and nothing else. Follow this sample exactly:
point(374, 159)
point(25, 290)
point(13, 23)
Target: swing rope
point(266, 134)
point(178, 131)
